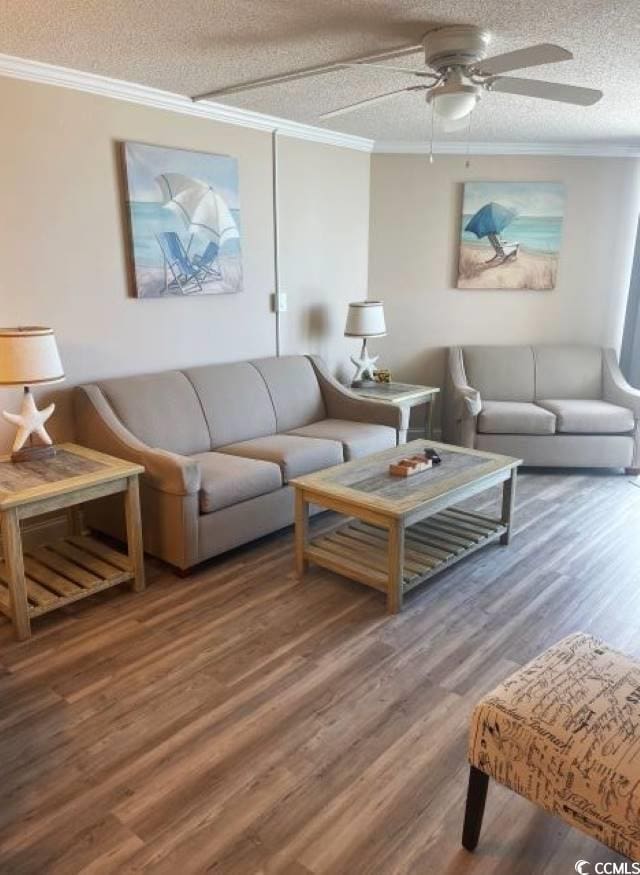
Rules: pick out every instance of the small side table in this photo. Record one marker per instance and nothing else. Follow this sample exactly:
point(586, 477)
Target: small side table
point(403, 395)
point(39, 580)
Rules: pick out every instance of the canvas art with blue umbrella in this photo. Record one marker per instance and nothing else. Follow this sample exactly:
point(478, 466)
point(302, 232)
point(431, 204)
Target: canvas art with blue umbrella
point(488, 222)
point(185, 221)
point(531, 214)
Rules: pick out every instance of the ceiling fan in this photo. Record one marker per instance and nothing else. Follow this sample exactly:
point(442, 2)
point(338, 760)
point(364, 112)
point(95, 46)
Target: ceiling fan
point(456, 74)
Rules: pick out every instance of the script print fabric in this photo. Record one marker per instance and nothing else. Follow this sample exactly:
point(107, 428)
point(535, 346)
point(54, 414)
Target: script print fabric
point(564, 732)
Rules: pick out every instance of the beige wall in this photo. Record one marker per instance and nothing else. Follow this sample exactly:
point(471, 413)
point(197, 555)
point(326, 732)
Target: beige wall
point(415, 213)
point(324, 215)
point(63, 247)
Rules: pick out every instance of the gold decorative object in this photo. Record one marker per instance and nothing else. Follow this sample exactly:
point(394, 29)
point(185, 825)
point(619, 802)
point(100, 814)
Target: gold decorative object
point(382, 376)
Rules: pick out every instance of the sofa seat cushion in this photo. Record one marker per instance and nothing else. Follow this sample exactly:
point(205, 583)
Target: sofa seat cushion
point(295, 455)
point(515, 417)
point(357, 438)
point(227, 480)
point(589, 417)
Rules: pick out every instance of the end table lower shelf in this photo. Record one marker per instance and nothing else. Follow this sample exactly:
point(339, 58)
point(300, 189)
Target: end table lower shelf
point(66, 570)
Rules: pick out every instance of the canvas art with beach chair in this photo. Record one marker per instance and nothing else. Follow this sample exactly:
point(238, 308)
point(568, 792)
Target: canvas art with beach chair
point(510, 235)
point(184, 217)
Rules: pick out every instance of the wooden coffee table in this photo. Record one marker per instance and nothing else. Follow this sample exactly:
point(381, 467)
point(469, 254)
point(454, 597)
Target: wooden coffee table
point(402, 531)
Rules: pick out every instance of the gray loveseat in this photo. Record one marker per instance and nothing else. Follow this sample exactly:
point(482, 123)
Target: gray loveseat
point(558, 406)
point(219, 444)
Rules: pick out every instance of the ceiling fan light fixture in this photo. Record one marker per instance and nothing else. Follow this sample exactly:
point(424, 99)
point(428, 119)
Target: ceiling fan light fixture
point(453, 102)
point(455, 106)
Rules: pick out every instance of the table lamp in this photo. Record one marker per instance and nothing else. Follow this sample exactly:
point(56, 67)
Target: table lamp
point(365, 319)
point(29, 357)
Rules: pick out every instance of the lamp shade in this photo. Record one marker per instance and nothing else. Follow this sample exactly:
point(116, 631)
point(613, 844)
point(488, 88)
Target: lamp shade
point(29, 356)
point(365, 319)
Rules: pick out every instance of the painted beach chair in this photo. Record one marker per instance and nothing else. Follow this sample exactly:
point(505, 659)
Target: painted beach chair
point(206, 261)
point(186, 274)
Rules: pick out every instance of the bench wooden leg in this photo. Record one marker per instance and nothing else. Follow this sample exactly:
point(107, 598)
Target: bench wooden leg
point(476, 798)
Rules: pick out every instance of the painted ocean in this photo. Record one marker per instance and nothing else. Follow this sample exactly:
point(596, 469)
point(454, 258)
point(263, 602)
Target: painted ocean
point(149, 219)
point(533, 233)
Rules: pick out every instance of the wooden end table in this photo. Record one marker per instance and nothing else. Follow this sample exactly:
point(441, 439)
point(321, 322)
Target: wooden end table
point(39, 580)
point(403, 395)
point(400, 531)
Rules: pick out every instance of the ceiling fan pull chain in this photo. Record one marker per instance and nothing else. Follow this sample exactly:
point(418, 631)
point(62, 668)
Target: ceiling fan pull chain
point(431, 138)
point(467, 163)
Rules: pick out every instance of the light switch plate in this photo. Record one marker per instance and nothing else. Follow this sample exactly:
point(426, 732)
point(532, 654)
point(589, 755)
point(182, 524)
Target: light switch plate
point(280, 302)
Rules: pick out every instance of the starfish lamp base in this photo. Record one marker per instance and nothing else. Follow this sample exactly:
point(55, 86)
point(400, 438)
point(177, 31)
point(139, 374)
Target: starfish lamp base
point(30, 421)
point(365, 368)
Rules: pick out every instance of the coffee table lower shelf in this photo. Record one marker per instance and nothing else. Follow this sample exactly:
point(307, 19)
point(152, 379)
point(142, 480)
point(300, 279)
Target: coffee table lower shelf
point(65, 571)
point(360, 551)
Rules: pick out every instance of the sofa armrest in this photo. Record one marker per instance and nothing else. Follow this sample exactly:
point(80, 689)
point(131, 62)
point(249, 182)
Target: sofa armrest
point(343, 404)
point(462, 403)
point(616, 390)
point(98, 427)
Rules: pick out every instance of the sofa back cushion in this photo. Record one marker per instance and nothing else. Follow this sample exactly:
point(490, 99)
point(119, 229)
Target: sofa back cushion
point(235, 401)
point(294, 390)
point(162, 410)
point(500, 373)
point(573, 372)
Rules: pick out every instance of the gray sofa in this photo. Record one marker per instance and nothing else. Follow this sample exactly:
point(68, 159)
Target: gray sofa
point(558, 406)
point(220, 443)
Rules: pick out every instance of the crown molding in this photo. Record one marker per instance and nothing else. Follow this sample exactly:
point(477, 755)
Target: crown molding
point(118, 89)
point(572, 150)
point(50, 74)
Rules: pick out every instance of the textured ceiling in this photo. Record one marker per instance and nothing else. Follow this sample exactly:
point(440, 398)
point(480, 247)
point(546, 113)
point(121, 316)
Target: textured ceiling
point(194, 46)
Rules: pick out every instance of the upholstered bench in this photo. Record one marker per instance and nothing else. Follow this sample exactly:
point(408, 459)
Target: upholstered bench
point(564, 732)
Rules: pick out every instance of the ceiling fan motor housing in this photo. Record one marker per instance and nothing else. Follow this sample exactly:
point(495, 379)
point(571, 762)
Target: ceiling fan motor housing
point(456, 46)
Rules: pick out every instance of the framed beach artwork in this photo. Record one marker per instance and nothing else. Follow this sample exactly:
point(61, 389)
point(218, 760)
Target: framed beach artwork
point(510, 235)
point(184, 221)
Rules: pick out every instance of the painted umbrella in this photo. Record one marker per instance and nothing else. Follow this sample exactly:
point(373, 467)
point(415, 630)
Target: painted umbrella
point(201, 208)
point(490, 220)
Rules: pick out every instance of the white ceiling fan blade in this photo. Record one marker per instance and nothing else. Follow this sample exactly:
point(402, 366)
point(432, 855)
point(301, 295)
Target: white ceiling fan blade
point(546, 90)
point(295, 75)
point(533, 56)
point(370, 100)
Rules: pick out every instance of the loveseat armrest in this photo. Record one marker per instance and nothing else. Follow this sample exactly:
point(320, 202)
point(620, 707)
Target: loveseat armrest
point(343, 404)
point(98, 427)
point(462, 403)
point(615, 388)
